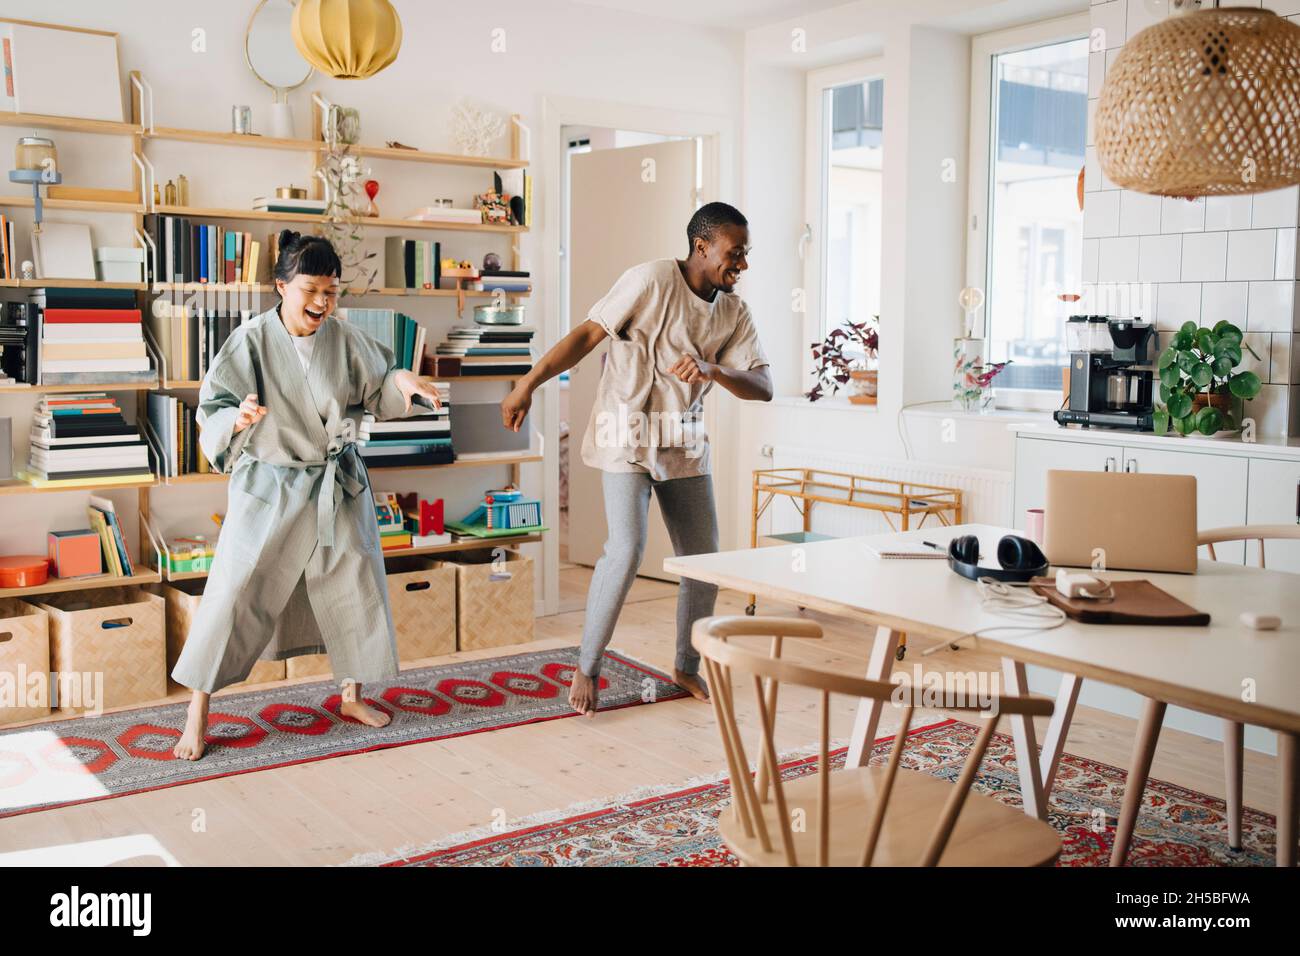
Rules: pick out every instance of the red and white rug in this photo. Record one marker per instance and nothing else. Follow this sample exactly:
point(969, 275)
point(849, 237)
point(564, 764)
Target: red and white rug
point(83, 759)
point(677, 826)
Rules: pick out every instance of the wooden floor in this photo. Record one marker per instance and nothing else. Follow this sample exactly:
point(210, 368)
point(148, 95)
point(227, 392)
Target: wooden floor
point(328, 811)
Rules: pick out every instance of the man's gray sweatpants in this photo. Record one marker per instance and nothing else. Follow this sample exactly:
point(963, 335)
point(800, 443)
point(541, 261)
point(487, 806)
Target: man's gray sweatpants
point(692, 521)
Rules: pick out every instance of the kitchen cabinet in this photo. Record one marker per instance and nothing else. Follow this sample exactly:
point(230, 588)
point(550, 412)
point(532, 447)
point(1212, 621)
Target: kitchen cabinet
point(1036, 456)
point(1220, 487)
point(1272, 498)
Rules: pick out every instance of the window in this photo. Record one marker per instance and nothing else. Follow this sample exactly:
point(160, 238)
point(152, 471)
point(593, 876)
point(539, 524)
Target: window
point(1027, 163)
point(846, 125)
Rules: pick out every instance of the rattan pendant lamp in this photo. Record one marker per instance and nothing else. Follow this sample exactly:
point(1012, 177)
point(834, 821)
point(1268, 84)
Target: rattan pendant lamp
point(1204, 103)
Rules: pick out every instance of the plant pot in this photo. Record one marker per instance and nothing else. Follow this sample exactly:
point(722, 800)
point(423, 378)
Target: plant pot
point(1224, 403)
point(863, 386)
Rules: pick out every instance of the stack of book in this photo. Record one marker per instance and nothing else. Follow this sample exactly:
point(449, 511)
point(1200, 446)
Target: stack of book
point(393, 534)
point(423, 437)
point(504, 280)
point(83, 440)
point(89, 335)
point(175, 437)
point(188, 338)
point(398, 333)
point(103, 519)
point(185, 251)
point(490, 350)
point(310, 207)
point(446, 214)
point(412, 263)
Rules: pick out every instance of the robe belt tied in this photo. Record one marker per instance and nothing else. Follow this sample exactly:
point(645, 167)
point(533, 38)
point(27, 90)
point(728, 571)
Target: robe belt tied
point(336, 480)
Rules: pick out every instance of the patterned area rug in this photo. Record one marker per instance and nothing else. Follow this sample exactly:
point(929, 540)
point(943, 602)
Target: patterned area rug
point(83, 759)
point(678, 827)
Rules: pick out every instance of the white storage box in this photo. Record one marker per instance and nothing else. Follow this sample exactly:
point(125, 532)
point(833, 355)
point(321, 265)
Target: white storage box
point(119, 263)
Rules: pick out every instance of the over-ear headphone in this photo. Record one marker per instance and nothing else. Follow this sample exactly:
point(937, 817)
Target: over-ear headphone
point(1020, 559)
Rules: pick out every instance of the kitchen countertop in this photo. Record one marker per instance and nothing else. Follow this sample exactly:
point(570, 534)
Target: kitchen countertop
point(1264, 446)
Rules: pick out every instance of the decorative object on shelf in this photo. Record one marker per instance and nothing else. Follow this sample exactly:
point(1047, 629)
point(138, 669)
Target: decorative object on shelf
point(853, 347)
point(169, 193)
point(1199, 380)
point(394, 144)
point(348, 39)
point(372, 190)
point(491, 262)
point(1203, 103)
point(157, 195)
point(62, 250)
point(504, 512)
point(75, 554)
point(272, 56)
point(342, 173)
point(499, 314)
point(241, 120)
point(120, 263)
point(39, 78)
point(290, 192)
point(345, 124)
point(36, 178)
point(494, 207)
point(28, 269)
point(474, 130)
point(23, 570)
point(182, 190)
point(36, 153)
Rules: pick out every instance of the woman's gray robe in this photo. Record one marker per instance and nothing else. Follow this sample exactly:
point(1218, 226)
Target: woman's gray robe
point(298, 567)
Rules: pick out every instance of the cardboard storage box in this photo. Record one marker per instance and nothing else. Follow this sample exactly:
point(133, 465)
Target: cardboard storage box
point(422, 594)
point(117, 632)
point(24, 651)
point(494, 599)
point(181, 599)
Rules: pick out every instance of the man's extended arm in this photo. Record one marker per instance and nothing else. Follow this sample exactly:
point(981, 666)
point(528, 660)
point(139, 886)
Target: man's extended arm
point(565, 354)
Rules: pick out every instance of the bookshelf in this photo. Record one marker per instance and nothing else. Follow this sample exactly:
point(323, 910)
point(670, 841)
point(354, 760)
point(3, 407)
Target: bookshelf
point(140, 135)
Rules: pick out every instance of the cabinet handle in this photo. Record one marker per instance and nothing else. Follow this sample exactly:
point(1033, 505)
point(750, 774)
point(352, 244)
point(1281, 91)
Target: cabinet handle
point(1110, 465)
point(1131, 466)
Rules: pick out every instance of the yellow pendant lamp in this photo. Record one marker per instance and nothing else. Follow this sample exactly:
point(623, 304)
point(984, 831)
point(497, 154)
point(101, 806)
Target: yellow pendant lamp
point(1204, 103)
point(348, 39)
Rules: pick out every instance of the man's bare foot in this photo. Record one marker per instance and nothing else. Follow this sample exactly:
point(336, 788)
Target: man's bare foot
point(190, 746)
point(693, 684)
point(583, 693)
point(355, 707)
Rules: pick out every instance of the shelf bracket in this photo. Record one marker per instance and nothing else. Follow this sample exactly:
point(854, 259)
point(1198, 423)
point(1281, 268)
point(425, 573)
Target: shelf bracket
point(528, 138)
point(146, 181)
point(144, 91)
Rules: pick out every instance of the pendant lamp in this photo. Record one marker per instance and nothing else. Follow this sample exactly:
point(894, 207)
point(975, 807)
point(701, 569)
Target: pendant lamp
point(1204, 103)
point(348, 39)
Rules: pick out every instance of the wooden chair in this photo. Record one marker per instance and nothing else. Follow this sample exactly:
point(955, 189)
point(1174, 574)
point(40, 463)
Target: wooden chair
point(850, 817)
point(1233, 732)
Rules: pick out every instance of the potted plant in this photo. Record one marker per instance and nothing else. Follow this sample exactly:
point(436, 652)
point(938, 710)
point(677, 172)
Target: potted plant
point(844, 358)
point(1199, 380)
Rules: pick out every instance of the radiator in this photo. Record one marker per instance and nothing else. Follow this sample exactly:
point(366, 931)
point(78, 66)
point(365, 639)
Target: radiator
point(986, 494)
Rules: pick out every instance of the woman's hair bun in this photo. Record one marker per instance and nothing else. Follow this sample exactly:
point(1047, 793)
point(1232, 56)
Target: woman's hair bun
point(288, 237)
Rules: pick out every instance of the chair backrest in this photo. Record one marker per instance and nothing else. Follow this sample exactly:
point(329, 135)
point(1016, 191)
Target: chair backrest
point(727, 665)
point(1247, 532)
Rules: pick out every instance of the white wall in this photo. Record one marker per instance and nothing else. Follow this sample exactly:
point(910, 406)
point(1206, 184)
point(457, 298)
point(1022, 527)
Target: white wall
point(552, 48)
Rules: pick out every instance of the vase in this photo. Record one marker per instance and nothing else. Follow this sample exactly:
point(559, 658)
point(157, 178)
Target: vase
point(967, 358)
point(863, 386)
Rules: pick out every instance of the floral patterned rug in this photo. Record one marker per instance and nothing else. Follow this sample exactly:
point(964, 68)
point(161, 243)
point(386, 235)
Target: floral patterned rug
point(678, 826)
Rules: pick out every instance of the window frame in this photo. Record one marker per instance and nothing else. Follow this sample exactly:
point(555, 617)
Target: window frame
point(984, 48)
point(816, 190)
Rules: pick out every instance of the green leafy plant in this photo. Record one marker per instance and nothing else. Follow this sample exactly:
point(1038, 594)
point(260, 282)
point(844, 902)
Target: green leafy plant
point(1203, 362)
point(343, 175)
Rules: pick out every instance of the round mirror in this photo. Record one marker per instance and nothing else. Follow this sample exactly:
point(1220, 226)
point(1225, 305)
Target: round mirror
point(269, 48)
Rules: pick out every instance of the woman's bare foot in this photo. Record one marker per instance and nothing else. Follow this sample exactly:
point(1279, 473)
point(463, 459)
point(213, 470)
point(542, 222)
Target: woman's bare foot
point(693, 684)
point(583, 693)
point(190, 746)
point(355, 707)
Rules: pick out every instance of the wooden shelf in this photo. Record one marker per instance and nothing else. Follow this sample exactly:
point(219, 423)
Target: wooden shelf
point(77, 124)
point(197, 478)
point(69, 284)
point(312, 146)
point(142, 575)
point(16, 486)
point(181, 384)
point(198, 212)
point(265, 287)
point(82, 205)
point(80, 387)
point(486, 462)
point(468, 544)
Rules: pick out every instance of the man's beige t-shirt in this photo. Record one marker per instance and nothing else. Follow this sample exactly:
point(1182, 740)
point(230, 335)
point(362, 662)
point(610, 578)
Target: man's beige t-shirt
point(645, 419)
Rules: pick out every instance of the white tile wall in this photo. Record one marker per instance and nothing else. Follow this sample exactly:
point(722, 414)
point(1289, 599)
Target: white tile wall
point(1220, 257)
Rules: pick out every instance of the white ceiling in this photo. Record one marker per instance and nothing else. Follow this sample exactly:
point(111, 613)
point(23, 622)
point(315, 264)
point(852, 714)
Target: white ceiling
point(725, 14)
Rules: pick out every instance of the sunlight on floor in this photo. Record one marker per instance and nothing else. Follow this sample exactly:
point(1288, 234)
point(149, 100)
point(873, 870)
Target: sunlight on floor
point(138, 849)
point(39, 767)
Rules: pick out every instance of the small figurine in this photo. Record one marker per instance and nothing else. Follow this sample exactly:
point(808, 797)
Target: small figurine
point(372, 190)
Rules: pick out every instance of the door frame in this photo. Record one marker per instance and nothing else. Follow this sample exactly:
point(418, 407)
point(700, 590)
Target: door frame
point(720, 180)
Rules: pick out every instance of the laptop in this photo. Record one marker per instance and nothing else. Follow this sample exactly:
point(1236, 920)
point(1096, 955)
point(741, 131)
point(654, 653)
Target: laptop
point(1121, 521)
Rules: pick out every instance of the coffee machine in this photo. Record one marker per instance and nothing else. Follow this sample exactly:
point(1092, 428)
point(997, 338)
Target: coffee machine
point(1110, 373)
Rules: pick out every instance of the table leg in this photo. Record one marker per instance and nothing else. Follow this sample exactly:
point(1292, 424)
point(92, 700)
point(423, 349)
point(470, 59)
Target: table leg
point(1233, 742)
point(1144, 748)
point(864, 726)
point(1026, 741)
point(1054, 742)
point(1287, 790)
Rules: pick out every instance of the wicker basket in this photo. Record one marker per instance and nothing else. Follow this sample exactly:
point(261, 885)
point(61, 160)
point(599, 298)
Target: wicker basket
point(422, 594)
point(24, 652)
point(114, 632)
point(494, 600)
point(181, 599)
point(1204, 104)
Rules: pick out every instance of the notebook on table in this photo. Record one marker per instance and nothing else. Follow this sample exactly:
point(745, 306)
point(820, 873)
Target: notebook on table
point(903, 551)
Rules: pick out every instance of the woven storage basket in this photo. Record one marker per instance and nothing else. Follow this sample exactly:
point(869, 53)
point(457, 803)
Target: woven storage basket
point(1202, 104)
point(181, 599)
point(422, 594)
point(24, 652)
point(132, 658)
point(494, 600)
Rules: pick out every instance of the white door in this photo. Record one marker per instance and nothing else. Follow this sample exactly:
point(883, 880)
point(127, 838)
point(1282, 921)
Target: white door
point(1035, 457)
point(1219, 483)
point(626, 206)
